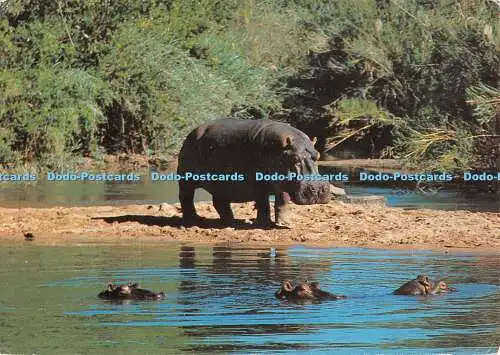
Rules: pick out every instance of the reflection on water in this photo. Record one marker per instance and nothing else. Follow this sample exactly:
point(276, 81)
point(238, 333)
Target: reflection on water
point(75, 193)
point(50, 194)
point(432, 195)
point(221, 299)
point(442, 200)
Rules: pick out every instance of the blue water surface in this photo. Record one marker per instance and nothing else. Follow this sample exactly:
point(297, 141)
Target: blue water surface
point(221, 300)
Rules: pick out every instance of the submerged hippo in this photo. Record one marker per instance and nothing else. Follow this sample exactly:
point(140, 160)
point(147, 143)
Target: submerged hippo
point(241, 149)
point(440, 287)
point(422, 285)
point(130, 291)
point(304, 291)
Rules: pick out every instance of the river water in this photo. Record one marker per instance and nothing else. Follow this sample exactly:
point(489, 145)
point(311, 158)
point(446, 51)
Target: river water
point(222, 300)
point(70, 193)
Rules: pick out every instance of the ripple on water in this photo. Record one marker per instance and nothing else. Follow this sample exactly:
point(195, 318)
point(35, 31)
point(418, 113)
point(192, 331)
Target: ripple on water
point(221, 299)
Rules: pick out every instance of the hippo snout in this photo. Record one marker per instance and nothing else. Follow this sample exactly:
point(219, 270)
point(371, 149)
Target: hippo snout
point(311, 193)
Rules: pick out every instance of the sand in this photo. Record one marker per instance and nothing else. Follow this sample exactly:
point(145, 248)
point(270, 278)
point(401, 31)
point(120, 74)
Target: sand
point(331, 225)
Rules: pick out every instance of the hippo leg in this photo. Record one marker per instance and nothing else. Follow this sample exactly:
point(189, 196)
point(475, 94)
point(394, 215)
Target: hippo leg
point(280, 208)
point(263, 210)
point(223, 208)
point(186, 197)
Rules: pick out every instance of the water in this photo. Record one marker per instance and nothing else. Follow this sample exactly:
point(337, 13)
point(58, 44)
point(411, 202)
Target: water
point(444, 199)
point(77, 193)
point(49, 194)
point(220, 300)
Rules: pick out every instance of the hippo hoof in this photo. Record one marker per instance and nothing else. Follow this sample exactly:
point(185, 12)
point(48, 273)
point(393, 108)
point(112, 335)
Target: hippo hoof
point(190, 221)
point(283, 222)
point(228, 222)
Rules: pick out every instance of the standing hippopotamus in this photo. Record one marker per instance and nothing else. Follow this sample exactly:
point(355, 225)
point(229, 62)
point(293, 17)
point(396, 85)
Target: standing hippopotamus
point(422, 285)
point(243, 148)
point(130, 291)
point(304, 291)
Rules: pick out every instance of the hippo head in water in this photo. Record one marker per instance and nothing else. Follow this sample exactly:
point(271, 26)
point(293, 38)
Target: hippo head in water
point(304, 291)
point(434, 287)
point(418, 286)
point(323, 295)
point(115, 292)
point(130, 291)
point(294, 292)
point(424, 280)
point(422, 285)
point(440, 287)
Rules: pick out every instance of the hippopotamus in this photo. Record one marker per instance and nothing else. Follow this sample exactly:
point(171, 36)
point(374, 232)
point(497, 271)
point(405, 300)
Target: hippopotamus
point(234, 152)
point(422, 285)
point(440, 287)
point(304, 291)
point(130, 291)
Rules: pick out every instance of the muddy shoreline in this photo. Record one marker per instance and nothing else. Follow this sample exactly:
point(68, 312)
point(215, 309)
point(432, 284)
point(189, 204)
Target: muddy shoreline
point(337, 224)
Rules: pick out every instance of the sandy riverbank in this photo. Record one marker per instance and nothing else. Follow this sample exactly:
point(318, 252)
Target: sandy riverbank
point(334, 224)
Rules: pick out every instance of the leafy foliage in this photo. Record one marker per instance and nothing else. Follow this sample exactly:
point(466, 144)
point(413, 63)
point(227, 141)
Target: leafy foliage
point(79, 78)
point(415, 59)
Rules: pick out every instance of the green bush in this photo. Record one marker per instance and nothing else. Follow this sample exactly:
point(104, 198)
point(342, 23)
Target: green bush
point(80, 78)
point(415, 59)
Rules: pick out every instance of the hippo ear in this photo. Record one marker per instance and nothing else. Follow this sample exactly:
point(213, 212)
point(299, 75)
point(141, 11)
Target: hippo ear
point(423, 279)
point(287, 286)
point(110, 286)
point(314, 140)
point(286, 141)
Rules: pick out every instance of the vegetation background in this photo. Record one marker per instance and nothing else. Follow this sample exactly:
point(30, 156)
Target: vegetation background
point(416, 80)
